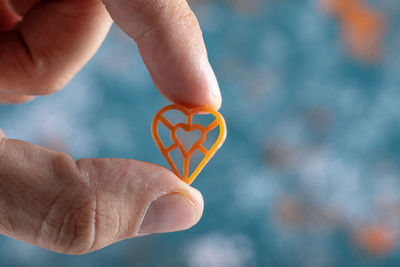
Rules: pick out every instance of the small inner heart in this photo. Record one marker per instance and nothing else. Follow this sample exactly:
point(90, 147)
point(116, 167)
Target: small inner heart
point(187, 138)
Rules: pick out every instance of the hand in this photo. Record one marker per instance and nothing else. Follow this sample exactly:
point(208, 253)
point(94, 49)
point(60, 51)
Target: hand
point(48, 199)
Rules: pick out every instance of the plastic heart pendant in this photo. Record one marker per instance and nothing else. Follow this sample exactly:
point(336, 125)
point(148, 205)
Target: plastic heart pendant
point(188, 128)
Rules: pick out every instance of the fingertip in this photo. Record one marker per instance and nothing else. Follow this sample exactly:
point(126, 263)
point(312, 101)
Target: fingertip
point(198, 202)
point(215, 92)
point(195, 87)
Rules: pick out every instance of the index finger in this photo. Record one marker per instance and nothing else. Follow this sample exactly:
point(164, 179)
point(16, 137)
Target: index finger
point(171, 44)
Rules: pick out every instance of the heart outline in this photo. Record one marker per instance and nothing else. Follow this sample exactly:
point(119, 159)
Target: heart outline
point(188, 129)
point(189, 113)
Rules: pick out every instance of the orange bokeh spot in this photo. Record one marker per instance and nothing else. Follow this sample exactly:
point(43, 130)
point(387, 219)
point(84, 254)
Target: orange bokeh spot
point(291, 211)
point(188, 127)
point(363, 27)
point(378, 240)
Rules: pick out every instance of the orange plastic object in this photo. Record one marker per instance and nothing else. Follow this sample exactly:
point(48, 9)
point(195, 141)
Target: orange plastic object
point(188, 127)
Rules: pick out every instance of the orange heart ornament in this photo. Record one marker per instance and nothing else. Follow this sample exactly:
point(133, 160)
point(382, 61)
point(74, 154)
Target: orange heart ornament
point(188, 127)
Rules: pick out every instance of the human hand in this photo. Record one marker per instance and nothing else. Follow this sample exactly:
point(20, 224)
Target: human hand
point(48, 199)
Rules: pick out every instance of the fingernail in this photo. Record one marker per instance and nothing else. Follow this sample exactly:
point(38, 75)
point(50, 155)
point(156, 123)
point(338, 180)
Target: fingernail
point(214, 88)
point(169, 213)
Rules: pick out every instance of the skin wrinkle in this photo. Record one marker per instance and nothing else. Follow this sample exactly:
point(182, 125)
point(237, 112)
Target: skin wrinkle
point(92, 206)
point(102, 185)
point(38, 65)
point(95, 225)
point(146, 35)
point(38, 71)
point(29, 55)
point(149, 15)
point(54, 244)
point(66, 217)
point(127, 233)
point(118, 233)
point(81, 171)
point(139, 173)
point(67, 28)
point(162, 19)
point(73, 219)
point(116, 221)
point(61, 163)
point(46, 222)
point(139, 9)
point(9, 226)
point(8, 212)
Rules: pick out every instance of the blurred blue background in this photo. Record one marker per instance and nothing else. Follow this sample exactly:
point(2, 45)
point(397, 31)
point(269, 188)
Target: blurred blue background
point(309, 174)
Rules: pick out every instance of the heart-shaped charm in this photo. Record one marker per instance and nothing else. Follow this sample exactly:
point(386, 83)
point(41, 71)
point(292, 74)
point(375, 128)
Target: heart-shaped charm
point(188, 127)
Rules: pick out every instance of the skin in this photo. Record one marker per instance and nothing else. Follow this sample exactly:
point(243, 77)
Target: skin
point(76, 207)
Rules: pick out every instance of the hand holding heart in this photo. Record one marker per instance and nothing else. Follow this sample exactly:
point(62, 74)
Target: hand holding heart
point(46, 197)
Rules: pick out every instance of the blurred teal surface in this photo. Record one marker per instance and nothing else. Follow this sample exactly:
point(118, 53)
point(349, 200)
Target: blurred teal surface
point(310, 164)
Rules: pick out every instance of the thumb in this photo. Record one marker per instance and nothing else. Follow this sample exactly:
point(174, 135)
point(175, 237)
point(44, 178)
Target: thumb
point(49, 200)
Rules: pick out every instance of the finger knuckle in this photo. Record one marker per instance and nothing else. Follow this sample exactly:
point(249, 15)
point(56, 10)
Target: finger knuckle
point(41, 76)
point(64, 168)
point(185, 14)
point(155, 15)
point(69, 226)
point(77, 232)
point(89, 227)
